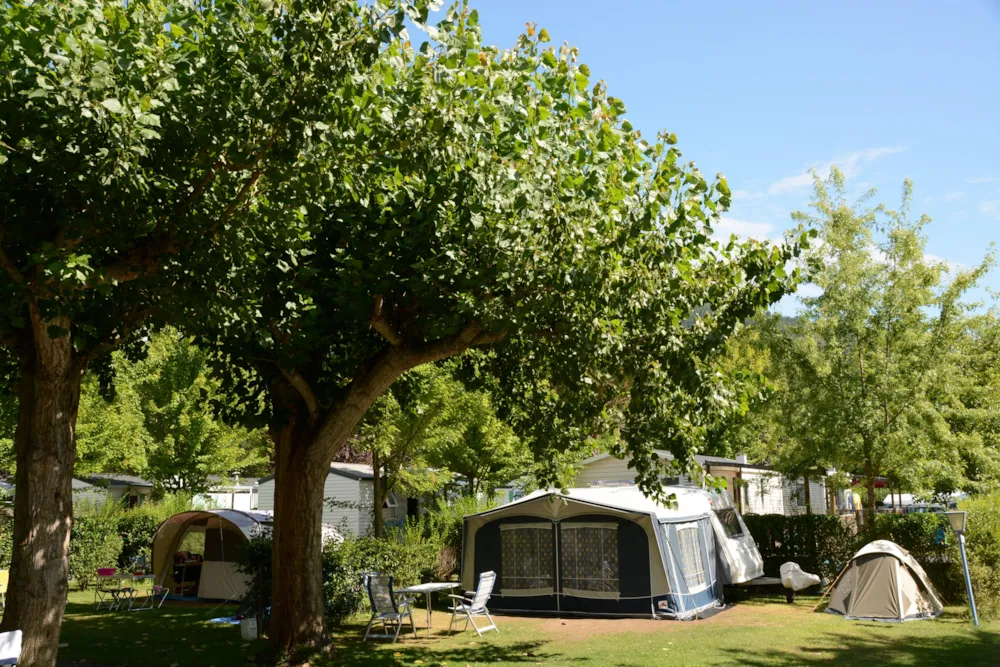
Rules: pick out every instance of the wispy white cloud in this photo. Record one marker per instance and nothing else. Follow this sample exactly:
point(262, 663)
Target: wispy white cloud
point(949, 266)
point(991, 208)
point(984, 179)
point(955, 196)
point(745, 195)
point(850, 164)
point(742, 228)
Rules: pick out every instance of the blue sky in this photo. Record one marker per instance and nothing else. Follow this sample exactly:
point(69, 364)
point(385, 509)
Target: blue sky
point(761, 91)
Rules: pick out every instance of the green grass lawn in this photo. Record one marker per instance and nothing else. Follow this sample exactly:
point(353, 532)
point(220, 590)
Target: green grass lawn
point(761, 631)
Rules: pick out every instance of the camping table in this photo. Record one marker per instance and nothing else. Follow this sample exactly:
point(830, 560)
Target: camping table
point(428, 590)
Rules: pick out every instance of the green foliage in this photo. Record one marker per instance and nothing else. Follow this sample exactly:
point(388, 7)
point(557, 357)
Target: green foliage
point(824, 544)
point(94, 542)
point(982, 544)
point(481, 449)
point(473, 197)
point(820, 543)
point(162, 422)
point(926, 536)
point(344, 562)
point(137, 526)
point(862, 377)
point(443, 523)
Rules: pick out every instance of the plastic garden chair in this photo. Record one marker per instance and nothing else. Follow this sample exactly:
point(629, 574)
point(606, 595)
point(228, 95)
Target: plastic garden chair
point(475, 605)
point(386, 608)
point(10, 647)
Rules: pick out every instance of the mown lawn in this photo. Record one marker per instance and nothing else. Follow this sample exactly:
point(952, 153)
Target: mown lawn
point(762, 631)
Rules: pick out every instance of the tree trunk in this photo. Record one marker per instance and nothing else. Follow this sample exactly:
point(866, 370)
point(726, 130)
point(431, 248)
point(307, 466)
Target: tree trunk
point(378, 519)
point(870, 500)
point(49, 397)
point(808, 492)
point(298, 619)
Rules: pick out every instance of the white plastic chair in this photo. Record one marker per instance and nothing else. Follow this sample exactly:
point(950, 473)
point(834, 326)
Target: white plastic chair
point(386, 608)
point(10, 647)
point(475, 605)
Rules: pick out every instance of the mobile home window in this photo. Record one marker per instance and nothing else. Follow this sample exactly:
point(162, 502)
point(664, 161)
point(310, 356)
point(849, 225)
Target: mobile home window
point(526, 554)
point(692, 558)
point(730, 521)
point(588, 557)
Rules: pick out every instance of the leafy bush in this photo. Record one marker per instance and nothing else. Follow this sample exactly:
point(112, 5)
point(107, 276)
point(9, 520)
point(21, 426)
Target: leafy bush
point(820, 543)
point(94, 542)
point(982, 545)
point(407, 558)
point(137, 527)
point(442, 526)
point(787, 538)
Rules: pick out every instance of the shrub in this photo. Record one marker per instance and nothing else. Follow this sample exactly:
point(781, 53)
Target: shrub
point(405, 557)
point(982, 544)
point(94, 542)
point(137, 527)
point(820, 543)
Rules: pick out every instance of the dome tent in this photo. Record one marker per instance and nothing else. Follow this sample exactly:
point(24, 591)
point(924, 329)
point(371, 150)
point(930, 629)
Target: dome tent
point(883, 582)
point(213, 574)
point(605, 551)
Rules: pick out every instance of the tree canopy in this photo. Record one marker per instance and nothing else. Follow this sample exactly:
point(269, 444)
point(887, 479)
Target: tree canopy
point(874, 374)
point(464, 197)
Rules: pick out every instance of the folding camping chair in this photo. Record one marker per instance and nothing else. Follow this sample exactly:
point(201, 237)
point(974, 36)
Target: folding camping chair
point(473, 606)
point(10, 647)
point(386, 608)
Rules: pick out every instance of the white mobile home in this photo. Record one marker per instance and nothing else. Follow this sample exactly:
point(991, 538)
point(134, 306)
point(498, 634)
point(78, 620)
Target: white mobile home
point(754, 489)
point(348, 496)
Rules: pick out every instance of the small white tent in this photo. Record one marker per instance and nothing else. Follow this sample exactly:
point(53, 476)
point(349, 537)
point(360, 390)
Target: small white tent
point(213, 574)
point(883, 582)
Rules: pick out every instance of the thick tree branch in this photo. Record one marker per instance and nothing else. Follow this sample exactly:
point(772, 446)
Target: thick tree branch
point(381, 325)
point(302, 386)
point(8, 265)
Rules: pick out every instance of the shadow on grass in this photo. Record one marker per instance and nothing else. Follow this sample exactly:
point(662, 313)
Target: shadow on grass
point(176, 633)
point(852, 648)
point(353, 653)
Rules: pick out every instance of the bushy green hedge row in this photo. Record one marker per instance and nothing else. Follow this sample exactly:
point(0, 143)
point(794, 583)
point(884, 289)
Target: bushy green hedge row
point(982, 535)
point(819, 543)
point(105, 535)
point(408, 558)
point(823, 544)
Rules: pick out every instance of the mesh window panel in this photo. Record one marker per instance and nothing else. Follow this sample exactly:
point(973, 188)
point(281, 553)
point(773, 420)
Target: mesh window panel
point(588, 560)
point(526, 558)
point(692, 559)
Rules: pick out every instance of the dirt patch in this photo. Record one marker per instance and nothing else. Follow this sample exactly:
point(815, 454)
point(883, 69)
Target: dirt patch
point(737, 615)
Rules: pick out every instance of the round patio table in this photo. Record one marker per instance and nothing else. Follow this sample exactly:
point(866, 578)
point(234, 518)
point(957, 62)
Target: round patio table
point(428, 590)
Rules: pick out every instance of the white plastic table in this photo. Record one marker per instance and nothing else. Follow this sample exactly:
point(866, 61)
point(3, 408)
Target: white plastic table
point(428, 590)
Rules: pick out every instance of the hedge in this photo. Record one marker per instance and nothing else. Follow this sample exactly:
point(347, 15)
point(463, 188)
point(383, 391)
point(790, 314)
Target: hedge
point(823, 544)
point(982, 544)
point(819, 543)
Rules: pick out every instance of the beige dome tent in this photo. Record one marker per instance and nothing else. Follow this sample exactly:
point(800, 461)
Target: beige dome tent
point(195, 553)
point(883, 582)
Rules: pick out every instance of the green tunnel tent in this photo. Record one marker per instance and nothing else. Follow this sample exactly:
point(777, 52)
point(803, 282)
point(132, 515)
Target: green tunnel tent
point(607, 551)
point(883, 582)
point(211, 575)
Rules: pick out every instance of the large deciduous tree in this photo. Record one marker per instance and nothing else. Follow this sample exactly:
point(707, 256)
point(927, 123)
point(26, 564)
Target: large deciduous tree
point(865, 370)
point(479, 198)
point(132, 137)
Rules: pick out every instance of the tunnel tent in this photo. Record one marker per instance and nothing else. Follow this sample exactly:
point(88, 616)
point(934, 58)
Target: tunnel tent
point(211, 575)
point(601, 551)
point(883, 582)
